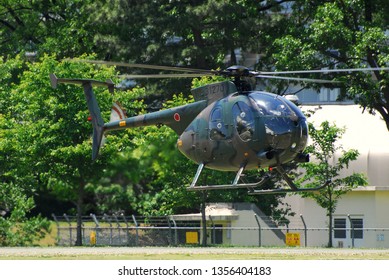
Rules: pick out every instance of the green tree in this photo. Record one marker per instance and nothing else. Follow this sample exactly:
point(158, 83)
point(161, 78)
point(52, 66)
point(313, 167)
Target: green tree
point(17, 188)
point(325, 149)
point(44, 26)
point(339, 34)
point(148, 175)
point(53, 133)
point(16, 227)
point(197, 33)
point(127, 174)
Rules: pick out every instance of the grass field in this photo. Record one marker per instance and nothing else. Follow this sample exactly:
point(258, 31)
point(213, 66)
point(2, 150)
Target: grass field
point(183, 253)
point(46, 250)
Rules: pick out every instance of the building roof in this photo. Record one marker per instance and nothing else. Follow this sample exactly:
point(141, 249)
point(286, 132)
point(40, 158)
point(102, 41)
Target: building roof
point(214, 211)
point(364, 132)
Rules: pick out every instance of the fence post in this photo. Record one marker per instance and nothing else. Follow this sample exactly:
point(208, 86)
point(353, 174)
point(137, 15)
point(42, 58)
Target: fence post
point(58, 229)
point(175, 230)
point(305, 230)
point(170, 238)
point(119, 228)
point(110, 228)
point(213, 231)
point(94, 218)
point(259, 231)
point(352, 230)
point(127, 229)
point(70, 229)
point(136, 230)
point(83, 236)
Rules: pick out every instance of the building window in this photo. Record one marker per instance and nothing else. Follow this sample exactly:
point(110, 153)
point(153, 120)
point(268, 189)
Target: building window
point(339, 228)
point(217, 234)
point(328, 95)
point(357, 224)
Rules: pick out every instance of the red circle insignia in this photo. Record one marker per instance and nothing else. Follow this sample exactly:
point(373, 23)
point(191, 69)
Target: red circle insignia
point(177, 117)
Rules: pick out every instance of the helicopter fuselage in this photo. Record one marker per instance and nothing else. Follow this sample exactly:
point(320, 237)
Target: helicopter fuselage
point(251, 129)
point(229, 127)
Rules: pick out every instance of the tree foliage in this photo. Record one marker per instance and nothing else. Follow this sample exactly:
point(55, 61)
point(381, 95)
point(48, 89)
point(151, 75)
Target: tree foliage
point(196, 33)
point(44, 26)
point(329, 161)
point(339, 34)
point(50, 133)
point(16, 227)
point(17, 184)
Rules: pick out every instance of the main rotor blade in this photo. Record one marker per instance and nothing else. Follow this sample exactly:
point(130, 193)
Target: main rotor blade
point(144, 66)
point(164, 76)
point(325, 71)
point(300, 79)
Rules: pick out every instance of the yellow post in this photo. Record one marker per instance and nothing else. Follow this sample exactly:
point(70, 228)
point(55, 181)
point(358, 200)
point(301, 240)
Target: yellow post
point(92, 238)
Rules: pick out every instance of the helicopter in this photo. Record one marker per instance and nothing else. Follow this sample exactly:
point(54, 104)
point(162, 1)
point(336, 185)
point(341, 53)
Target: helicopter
point(228, 127)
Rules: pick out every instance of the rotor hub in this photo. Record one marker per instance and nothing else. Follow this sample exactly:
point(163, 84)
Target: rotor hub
point(237, 71)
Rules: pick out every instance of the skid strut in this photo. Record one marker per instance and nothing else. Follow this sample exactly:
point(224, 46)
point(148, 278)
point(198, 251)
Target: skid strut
point(253, 187)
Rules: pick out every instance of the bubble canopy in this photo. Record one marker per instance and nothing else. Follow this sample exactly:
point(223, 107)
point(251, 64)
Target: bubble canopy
point(273, 105)
point(285, 125)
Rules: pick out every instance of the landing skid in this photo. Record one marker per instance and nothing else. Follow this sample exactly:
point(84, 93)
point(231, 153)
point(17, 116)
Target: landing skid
point(252, 187)
point(285, 190)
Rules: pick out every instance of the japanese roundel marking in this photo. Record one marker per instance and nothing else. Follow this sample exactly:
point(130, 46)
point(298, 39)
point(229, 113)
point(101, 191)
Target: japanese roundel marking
point(177, 117)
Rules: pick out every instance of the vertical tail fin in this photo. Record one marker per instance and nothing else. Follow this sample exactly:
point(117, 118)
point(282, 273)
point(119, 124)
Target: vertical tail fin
point(93, 106)
point(97, 120)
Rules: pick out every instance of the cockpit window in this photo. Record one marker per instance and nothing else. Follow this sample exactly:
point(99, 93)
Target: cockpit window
point(270, 105)
point(279, 117)
point(216, 125)
point(243, 120)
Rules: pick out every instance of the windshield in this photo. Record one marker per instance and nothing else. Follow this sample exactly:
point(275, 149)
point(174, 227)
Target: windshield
point(279, 118)
point(271, 105)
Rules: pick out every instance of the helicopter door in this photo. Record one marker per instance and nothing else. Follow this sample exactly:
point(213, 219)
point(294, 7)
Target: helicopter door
point(243, 120)
point(217, 129)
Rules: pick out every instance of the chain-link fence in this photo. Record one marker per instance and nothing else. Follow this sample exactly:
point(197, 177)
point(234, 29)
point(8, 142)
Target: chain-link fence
point(125, 231)
point(170, 231)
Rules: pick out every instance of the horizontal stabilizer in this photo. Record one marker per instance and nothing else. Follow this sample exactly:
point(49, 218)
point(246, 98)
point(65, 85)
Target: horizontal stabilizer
point(75, 81)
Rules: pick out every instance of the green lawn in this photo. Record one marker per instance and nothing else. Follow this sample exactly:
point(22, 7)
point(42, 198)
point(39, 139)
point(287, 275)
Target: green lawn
point(189, 253)
point(46, 249)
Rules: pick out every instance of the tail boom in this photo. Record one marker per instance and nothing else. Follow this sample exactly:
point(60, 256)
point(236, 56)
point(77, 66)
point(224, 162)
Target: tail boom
point(177, 118)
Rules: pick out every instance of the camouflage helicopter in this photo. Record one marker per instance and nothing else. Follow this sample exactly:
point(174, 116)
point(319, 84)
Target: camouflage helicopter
point(229, 127)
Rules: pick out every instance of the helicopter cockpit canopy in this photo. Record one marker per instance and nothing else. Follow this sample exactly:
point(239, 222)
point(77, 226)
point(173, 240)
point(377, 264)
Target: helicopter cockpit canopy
point(282, 120)
point(272, 105)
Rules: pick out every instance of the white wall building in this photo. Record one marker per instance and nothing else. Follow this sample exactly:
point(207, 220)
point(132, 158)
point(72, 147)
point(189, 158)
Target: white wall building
point(367, 207)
